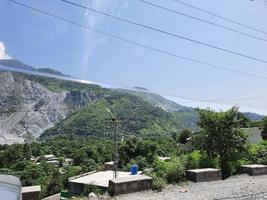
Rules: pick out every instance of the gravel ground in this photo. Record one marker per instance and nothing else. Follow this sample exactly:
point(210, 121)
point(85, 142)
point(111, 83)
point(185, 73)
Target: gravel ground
point(241, 187)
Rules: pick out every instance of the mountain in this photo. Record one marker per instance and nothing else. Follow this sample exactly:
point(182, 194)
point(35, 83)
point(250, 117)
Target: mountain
point(31, 104)
point(187, 116)
point(135, 117)
point(16, 64)
point(253, 116)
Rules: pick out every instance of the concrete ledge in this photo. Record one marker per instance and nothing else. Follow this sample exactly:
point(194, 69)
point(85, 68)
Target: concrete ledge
point(31, 192)
point(203, 175)
point(130, 184)
point(254, 170)
point(53, 197)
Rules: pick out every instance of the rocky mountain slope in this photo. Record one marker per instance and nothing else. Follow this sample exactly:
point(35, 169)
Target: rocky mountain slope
point(31, 105)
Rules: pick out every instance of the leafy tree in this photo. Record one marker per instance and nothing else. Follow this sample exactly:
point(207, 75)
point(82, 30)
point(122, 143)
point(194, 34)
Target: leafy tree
point(184, 135)
point(222, 137)
point(264, 125)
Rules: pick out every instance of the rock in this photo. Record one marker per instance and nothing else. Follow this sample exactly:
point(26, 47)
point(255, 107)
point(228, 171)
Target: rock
point(92, 196)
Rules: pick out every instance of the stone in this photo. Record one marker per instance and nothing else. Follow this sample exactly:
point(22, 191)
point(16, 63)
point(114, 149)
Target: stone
point(254, 170)
point(203, 175)
point(134, 183)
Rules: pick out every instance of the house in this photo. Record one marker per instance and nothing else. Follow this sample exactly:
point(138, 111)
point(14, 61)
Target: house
point(67, 162)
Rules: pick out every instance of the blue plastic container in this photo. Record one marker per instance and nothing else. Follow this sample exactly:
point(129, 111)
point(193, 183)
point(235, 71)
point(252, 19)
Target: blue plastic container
point(134, 169)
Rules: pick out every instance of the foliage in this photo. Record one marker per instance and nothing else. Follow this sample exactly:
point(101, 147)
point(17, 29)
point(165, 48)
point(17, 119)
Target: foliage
point(89, 153)
point(172, 171)
point(158, 183)
point(258, 153)
point(184, 135)
point(264, 124)
point(138, 118)
point(221, 137)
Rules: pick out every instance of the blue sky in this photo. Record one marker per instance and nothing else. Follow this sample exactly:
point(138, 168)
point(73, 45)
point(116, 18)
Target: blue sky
point(42, 41)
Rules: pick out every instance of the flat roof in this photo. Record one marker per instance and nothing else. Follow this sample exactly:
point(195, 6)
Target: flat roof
point(131, 178)
point(35, 188)
point(100, 178)
point(255, 166)
point(203, 170)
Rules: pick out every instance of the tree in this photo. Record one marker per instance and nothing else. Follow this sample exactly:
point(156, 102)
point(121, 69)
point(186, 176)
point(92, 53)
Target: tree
point(184, 135)
point(221, 137)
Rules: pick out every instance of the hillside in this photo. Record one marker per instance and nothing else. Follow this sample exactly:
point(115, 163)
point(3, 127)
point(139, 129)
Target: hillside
point(136, 117)
point(31, 104)
point(16, 64)
point(186, 116)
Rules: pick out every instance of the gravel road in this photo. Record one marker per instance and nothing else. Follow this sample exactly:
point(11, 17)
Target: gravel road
point(241, 187)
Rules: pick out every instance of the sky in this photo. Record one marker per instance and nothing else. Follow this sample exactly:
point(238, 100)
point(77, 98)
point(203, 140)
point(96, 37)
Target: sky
point(43, 41)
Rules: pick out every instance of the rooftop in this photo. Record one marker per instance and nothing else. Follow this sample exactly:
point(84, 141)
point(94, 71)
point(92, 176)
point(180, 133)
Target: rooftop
point(36, 188)
point(203, 170)
point(99, 178)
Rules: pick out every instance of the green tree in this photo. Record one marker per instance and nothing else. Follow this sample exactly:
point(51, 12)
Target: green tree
point(182, 138)
point(222, 137)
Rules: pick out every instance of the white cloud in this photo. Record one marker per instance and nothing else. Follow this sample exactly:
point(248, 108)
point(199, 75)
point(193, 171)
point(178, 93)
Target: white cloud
point(3, 54)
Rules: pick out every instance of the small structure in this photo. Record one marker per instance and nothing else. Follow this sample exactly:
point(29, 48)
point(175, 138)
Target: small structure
point(254, 170)
point(164, 158)
point(31, 192)
point(99, 179)
point(108, 166)
point(51, 159)
point(129, 185)
point(67, 162)
point(202, 175)
point(10, 187)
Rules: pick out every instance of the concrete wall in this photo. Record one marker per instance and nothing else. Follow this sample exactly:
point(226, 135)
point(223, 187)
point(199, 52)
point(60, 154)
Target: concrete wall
point(126, 185)
point(254, 170)
point(76, 188)
point(31, 196)
point(54, 197)
point(203, 175)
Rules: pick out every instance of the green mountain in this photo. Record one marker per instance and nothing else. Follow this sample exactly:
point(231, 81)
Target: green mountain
point(135, 117)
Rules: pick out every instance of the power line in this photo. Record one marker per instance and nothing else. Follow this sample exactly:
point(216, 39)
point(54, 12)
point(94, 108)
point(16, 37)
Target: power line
point(200, 20)
point(167, 33)
point(143, 45)
point(220, 16)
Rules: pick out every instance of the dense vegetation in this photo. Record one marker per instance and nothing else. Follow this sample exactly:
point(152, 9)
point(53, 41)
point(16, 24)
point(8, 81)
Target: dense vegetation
point(220, 133)
point(136, 117)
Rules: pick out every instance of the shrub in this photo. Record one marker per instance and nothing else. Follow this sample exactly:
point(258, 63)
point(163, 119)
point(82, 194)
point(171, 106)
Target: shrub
point(158, 183)
point(182, 138)
point(258, 153)
point(172, 171)
point(193, 160)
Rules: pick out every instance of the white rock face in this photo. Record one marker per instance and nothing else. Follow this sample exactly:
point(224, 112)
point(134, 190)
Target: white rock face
point(27, 107)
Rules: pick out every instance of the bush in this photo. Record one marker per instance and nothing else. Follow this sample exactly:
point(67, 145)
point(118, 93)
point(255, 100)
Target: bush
point(95, 189)
point(158, 183)
point(258, 153)
point(184, 135)
point(193, 160)
point(172, 171)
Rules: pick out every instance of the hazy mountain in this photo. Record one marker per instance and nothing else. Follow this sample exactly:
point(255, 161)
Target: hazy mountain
point(253, 116)
point(16, 64)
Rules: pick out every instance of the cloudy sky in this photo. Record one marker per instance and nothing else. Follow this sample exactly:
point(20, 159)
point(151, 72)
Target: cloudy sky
point(42, 41)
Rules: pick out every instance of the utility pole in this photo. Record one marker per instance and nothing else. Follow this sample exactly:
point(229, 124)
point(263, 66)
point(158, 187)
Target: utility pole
point(115, 121)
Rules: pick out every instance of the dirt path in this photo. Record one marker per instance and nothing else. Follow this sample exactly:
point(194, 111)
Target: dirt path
point(241, 187)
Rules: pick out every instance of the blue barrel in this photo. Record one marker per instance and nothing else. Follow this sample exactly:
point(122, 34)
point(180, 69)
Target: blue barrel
point(134, 169)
